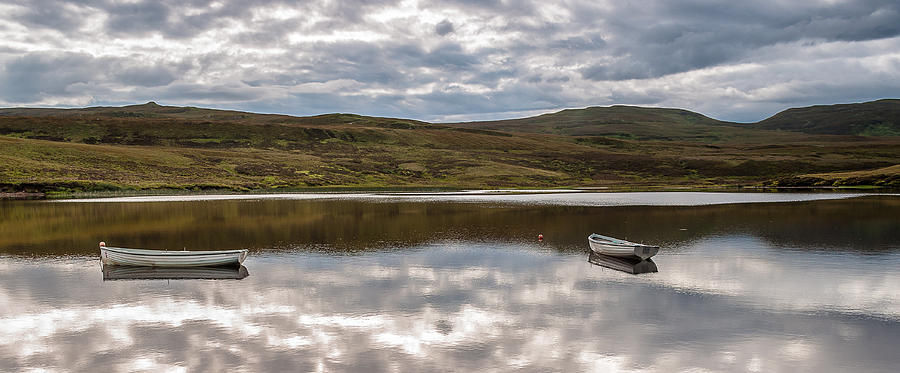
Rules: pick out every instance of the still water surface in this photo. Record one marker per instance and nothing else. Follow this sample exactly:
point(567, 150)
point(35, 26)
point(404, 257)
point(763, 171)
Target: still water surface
point(806, 282)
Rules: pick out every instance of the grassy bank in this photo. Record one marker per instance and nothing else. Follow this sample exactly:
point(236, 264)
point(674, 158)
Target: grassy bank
point(887, 177)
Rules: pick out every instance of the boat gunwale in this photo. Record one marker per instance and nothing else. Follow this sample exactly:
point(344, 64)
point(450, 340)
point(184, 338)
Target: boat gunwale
point(159, 253)
point(611, 243)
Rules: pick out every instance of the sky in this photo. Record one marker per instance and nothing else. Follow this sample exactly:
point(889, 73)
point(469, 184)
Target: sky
point(450, 60)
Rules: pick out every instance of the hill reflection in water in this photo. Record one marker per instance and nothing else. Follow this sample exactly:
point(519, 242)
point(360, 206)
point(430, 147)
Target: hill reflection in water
point(864, 224)
point(438, 286)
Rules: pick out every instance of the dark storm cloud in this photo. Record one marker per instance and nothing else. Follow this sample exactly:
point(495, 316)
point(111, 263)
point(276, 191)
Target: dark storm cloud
point(137, 17)
point(47, 14)
point(32, 76)
point(146, 76)
point(443, 28)
point(491, 78)
point(392, 64)
point(210, 93)
point(676, 36)
point(430, 59)
point(583, 43)
point(359, 61)
point(450, 57)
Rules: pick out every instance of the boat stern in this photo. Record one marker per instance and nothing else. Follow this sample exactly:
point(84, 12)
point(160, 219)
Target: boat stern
point(645, 251)
point(244, 254)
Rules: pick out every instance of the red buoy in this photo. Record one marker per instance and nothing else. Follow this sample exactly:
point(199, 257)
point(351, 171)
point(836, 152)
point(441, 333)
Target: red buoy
point(540, 237)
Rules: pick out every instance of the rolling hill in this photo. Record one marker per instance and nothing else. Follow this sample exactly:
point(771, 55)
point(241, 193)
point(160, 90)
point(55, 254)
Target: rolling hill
point(165, 147)
point(875, 118)
point(152, 110)
point(625, 122)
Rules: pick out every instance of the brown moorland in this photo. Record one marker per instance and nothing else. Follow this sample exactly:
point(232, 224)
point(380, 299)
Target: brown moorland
point(149, 146)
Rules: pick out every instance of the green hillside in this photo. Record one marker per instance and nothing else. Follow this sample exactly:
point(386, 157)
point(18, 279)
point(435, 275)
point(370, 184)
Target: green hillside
point(623, 122)
point(875, 118)
point(151, 147)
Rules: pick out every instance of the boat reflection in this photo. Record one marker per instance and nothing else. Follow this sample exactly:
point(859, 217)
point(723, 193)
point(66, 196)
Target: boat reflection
point(111, 272)
point(628, 265)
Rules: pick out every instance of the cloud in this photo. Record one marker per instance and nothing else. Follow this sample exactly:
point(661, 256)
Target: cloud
point(443, 28)
point(145, 76)
point(212, 93)
point(139, 17)
point(48, 14)
point(58, 78)
point(484, 57)
point(33, 77)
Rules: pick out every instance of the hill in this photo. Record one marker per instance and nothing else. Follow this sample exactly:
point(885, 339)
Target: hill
point(623, 122)
point(151, 146)
point(152, 110)
point(875, 118)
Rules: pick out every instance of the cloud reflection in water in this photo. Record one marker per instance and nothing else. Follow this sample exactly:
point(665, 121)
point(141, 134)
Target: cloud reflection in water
point(729, 304)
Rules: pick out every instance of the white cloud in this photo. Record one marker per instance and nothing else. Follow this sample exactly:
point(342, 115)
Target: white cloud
point(458, 59)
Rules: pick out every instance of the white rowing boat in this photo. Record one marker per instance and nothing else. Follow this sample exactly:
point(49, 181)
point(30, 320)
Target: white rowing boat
point(166, 258)
point(605, 245)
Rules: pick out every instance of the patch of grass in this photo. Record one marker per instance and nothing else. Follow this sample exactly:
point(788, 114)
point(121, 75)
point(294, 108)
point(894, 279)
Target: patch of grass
point(888, 177)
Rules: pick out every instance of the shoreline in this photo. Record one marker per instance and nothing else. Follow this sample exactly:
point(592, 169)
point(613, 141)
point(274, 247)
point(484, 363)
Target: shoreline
point(571, 199)
point(429, 190)
point(22, 195)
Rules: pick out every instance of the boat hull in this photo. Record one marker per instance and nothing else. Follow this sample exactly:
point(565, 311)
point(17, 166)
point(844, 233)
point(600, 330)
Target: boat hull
point(622, 248)
point(160, 258)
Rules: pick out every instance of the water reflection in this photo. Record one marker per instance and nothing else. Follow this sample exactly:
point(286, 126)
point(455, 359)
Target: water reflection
point(864, 224)
point(628, 265)
point(461, 306)
point(436, 286)
point(111, 272)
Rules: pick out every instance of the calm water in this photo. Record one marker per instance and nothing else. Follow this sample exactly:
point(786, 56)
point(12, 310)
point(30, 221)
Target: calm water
point(457, 282)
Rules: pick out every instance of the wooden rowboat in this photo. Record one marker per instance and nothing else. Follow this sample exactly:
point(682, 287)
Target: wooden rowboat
point(605, 245)
point(165, 258)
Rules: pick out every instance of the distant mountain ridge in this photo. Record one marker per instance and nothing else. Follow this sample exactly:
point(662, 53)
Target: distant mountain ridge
point(150, 146)
point(624, 122)
point(614, 121)
point(874, 118)
point(152, 110)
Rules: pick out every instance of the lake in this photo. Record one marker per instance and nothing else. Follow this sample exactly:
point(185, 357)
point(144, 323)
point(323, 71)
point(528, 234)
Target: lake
point(758, 282)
